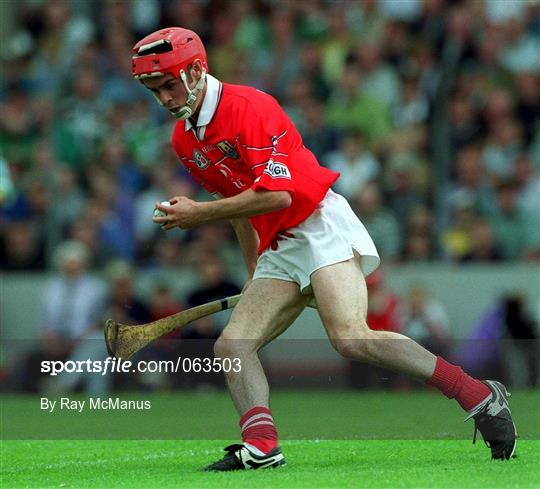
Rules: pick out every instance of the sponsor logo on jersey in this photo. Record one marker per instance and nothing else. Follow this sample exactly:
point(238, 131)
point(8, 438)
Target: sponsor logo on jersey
point(228, 149)
point(277, 170)
point(200, 160)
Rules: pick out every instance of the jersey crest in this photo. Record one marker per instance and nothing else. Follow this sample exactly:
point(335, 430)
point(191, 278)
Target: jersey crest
point(200, 160)
point(228, 149)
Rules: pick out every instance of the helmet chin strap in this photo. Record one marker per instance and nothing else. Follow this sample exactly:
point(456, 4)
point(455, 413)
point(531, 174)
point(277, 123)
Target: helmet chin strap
point(158, 100)
point(186, 111)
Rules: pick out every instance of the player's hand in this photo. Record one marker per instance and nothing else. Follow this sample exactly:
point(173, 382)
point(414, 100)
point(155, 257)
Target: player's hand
point(183, 213)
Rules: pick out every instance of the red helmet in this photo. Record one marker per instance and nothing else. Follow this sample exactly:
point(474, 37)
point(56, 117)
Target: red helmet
point(169, 51)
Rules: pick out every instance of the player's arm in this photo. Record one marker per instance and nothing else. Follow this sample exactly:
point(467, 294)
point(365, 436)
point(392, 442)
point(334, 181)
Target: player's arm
point(186, 213)
point(249, 242)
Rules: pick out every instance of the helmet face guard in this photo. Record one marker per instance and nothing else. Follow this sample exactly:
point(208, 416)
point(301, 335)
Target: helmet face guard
point(171, 51)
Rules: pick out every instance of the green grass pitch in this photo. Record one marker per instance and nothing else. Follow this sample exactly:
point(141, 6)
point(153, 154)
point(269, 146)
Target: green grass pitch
point(384, 455)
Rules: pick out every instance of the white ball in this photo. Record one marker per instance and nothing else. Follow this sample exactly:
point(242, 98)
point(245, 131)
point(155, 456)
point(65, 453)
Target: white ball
point(159, 213)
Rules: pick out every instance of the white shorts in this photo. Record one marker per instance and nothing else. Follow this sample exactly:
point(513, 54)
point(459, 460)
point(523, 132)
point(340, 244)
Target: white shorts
point(330, 235)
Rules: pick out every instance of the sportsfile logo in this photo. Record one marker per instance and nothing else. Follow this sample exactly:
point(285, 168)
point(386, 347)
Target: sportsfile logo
point(115, 365)
point(277, 170)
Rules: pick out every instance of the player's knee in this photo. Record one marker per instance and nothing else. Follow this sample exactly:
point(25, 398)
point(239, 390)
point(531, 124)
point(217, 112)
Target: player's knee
point(226, 347)
point(354, 343)
point(347, 348)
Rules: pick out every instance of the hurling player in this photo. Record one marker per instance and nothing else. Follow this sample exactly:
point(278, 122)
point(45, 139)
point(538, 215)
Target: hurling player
point(300, 241)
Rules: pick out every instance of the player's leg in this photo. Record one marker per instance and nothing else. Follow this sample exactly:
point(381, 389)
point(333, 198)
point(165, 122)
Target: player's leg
point(267, 308)
point(341, 296)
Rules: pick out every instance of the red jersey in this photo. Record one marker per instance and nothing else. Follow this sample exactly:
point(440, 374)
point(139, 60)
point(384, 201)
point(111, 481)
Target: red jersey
point(244, 139)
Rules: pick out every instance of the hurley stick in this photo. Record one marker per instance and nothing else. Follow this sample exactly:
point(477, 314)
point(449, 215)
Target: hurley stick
point(123, 341)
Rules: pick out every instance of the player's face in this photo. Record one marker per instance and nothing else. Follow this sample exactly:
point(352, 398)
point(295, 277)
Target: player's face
point(168, 90)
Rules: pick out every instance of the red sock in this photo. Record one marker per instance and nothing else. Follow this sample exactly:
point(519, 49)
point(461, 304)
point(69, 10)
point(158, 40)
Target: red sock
point(454, 383)
point(258, 429)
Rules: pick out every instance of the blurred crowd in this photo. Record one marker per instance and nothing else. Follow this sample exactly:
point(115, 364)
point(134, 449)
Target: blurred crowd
point(429, 109)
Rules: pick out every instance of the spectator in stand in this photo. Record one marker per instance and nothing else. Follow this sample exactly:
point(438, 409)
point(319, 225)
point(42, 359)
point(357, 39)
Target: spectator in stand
point(523, 330)
point(189, 14)
point(384, 308)
point(507, 317)
point(418, 249)
point(310, 60)
point(39, 196)
point(275, 64)
point(426, 320)
point(499, 106)
point(504, 143)
point(213, 239)
point(82, 122)
point(528, 103)
point(115, 87)
point(516, 231)
point(404, 183)
point(487, 72)
point(423, 60)
point(412, 108)
point(222, 54)
point(354, 162)
point(21, 247)
point(312, 20)
point(483, 247)
point(250, 27)
point(336, 46)
point(19, 125)
point(298, 95)
point(350, 108)
point(379, 80)
point(7, 189)
point(521, 47)
point(395, 48)
point(73, 308)
point(379, 221)
point(163, 303)
point(73, 303)
point(364, 19)
point(213, 285)
point(86, 231)
point(116, 211)
point(124, 305)
point(317, 135)
point(456, 240)
point(470, 184)
point(527, 178)
point(464, 125)
point(67, 201)
point(116, 159)
point(419, 235)
point(169, 253)
point(431, 23)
